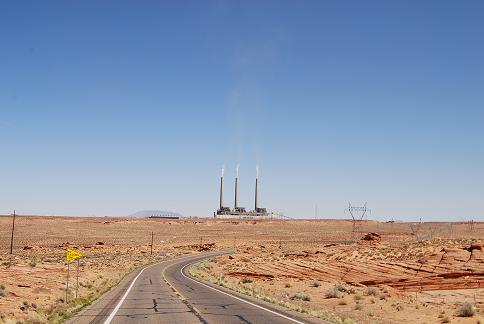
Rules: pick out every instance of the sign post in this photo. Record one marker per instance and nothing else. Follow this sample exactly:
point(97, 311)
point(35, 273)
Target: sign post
point(67, 282)
point(72, 255)
point(77, 277)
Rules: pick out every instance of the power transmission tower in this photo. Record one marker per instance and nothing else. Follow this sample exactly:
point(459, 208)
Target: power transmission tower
point(357, 214)
point(416, 229)
point(470, 225)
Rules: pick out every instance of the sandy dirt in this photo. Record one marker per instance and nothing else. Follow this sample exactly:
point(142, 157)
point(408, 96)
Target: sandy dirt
point(419, 271)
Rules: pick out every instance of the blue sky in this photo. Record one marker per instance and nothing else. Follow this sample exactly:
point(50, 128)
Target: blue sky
point(111, 107)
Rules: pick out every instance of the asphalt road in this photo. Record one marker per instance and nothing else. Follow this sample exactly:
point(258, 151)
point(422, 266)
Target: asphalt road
point(165, 293)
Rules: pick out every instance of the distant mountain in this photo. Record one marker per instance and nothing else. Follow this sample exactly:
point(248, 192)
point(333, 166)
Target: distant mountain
point(148, 213)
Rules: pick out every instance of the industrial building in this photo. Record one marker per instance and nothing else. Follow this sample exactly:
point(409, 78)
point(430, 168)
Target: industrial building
point(237, 211)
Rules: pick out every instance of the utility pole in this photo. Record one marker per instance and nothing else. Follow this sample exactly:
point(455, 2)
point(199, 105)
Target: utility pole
point(151, 253)
point(316, 211)
point(13, 229)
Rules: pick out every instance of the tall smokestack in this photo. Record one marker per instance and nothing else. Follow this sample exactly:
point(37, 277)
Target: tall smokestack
point(236, 185)
point(256, 186)
point(221, 188)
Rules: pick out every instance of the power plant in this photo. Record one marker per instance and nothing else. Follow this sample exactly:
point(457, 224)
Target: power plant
point(237, 211)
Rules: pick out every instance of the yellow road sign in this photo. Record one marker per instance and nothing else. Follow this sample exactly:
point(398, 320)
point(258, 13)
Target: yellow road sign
point(72, 255)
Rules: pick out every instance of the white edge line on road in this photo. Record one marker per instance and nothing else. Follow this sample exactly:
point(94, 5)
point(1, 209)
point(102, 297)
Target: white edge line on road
point(242, 300)
point(115, 310)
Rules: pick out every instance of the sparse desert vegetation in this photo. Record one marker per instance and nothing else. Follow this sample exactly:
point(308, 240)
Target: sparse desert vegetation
point(301, 296)
point(315, 284)
point(333, 293)
point(390, 280)
point(289, 263)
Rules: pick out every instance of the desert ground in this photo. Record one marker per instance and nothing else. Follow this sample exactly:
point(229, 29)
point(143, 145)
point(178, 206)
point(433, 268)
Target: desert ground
point(419, 272)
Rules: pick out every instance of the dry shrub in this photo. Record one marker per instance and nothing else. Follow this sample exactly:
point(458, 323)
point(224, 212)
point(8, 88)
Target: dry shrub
point(333, 293)
point(301, 296)
point(372, 291)
point(466, 310)
point(245, 280)
point(341, 288)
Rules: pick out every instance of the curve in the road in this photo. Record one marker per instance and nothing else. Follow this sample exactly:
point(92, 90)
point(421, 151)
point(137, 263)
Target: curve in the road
point(182, 272)
point(165, 293)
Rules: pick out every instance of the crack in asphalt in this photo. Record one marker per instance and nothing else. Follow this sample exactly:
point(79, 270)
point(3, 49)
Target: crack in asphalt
point(190, 307)
point(155, 305)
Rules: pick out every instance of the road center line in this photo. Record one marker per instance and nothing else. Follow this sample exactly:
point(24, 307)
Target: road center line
point(240, 299)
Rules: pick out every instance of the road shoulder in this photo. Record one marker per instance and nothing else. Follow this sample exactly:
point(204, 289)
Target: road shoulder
point(304, 317)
